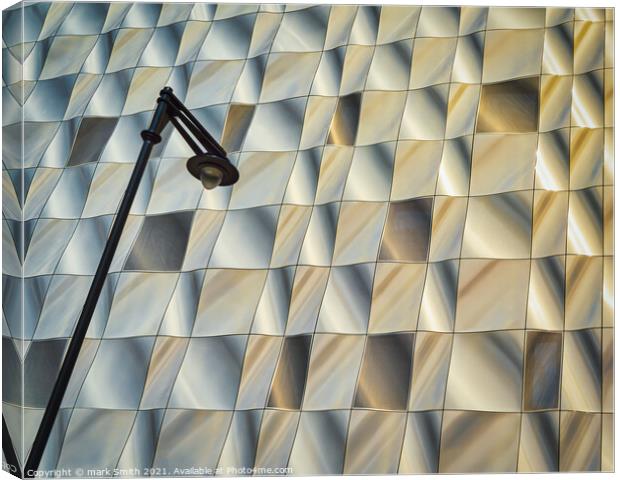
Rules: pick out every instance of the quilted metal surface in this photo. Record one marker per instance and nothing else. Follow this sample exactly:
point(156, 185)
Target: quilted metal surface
point(413, 274)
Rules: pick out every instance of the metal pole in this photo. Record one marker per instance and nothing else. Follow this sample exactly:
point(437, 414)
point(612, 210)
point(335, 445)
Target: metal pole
point(151, 137)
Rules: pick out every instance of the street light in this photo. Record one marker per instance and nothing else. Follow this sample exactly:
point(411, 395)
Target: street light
point(210, 165)
point(212, 170)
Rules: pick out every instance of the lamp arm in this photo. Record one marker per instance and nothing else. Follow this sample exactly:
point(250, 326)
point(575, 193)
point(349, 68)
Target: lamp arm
point(188, 139)
point(182, 119)
point(194, 125)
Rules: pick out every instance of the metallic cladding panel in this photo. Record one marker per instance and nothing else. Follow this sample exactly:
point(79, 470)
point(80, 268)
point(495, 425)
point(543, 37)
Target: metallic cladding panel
point(414, 273)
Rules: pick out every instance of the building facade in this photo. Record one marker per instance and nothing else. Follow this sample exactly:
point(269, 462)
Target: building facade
point(413, 274)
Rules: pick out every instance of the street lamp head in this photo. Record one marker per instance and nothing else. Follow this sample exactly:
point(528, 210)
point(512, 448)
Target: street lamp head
point(212, 170)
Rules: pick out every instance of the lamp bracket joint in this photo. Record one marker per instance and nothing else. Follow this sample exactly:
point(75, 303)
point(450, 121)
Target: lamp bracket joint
point(150, 136)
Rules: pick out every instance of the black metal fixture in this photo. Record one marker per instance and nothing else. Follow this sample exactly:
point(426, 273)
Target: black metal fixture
point(212, 170)
point(209, 165)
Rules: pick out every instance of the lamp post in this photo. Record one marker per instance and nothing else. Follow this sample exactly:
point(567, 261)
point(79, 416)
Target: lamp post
point(210, 165)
